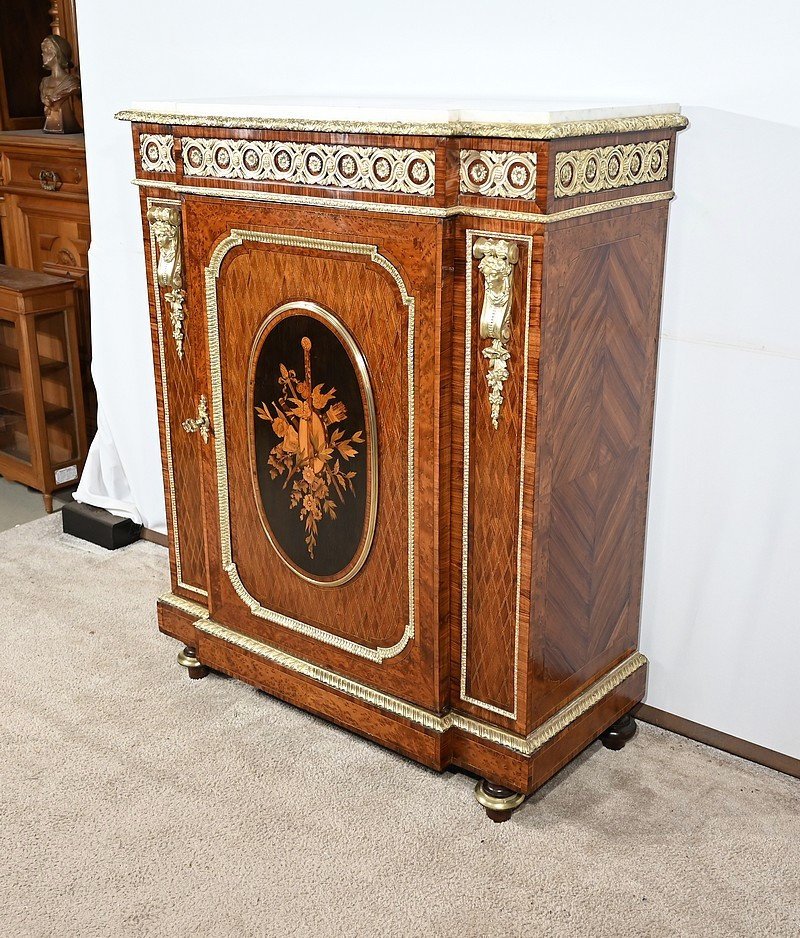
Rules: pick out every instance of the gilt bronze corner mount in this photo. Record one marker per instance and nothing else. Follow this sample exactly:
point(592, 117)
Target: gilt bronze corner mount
point(497, 259)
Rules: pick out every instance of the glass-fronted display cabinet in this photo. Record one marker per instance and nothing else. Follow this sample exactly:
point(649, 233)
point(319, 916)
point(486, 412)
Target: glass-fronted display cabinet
point(42, 428)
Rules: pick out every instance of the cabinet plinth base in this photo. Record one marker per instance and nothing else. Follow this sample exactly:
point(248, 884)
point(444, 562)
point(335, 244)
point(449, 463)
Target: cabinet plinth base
point(499, 802)
point(619, 733)
point(188, 659)
point(516, 765)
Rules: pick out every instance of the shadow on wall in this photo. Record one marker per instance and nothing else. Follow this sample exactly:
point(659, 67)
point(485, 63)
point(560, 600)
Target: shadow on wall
point(721, 606)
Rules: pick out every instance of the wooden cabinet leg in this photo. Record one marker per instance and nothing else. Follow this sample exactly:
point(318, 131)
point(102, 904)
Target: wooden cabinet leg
point(48, 503)
point(619, 733)
point(188, 659)
point(498, 801)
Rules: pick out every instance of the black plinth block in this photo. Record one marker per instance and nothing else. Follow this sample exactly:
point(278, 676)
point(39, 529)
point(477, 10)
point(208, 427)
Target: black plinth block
point(99, 526)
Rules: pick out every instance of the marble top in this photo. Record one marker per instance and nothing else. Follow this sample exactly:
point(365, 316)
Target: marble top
point(500, 117)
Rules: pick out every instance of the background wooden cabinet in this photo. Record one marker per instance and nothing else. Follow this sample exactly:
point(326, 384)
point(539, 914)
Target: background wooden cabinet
point(44, 202)
point(44, 219)
point(42, 428)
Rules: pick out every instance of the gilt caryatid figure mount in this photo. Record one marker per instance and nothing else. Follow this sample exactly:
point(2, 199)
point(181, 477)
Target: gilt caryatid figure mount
point(165, 227)
point(497, 259)
point(424, 354)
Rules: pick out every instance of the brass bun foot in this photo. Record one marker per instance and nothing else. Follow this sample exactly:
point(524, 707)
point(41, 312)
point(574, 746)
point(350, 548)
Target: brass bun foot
point(499, 802)
point(187, 659)
point(619, 733)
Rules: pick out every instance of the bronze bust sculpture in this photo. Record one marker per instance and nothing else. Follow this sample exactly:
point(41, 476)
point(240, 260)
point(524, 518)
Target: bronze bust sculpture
point(59, 88)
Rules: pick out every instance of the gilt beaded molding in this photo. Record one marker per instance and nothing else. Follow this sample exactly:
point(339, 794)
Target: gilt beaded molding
point(156, 155)
point(525, 745)
point(239, 236)
point(507, 175)
point(184, 605)
point(579, 172)
point(400, 208)
point(375, 169)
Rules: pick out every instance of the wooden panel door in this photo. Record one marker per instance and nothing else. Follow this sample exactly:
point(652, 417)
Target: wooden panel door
point(325, 355)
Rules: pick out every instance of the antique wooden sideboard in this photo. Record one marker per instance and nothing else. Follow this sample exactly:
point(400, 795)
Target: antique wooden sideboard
point(405, 365)
point(44, 216)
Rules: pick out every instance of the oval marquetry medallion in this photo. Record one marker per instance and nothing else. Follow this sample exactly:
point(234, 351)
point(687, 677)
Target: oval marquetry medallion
point(314, 451)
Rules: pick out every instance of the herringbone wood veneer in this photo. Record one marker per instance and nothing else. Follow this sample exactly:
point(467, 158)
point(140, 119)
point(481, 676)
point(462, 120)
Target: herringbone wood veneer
point(599, 329)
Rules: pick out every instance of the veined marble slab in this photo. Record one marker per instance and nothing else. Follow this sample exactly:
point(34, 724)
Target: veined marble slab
point(501, 117)
point(411, 110)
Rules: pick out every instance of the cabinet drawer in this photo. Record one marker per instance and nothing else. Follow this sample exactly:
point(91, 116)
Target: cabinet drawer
point(42, 173)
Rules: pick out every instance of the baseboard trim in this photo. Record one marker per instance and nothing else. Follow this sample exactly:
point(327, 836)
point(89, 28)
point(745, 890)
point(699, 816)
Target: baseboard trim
point(154, 537)
point(718, 740)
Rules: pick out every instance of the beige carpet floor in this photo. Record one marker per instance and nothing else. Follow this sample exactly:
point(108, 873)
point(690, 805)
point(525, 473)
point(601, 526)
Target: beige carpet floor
point(135, 802)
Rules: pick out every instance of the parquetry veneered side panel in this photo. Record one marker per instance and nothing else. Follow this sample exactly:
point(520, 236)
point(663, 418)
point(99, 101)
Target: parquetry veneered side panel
point(599, 330)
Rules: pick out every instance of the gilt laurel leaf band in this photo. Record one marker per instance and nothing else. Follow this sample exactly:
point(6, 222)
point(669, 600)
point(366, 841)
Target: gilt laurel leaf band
point(525, 745)
point(554, 131)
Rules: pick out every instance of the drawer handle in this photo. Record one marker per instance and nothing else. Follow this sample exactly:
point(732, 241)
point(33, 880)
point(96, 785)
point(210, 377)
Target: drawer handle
point(49, 180)
point(497, 258)
point(201, 423)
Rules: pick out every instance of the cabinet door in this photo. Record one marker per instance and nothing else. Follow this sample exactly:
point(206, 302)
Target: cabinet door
point(323, 383)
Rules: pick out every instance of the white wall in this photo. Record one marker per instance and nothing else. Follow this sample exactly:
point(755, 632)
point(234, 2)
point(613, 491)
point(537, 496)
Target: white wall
point(720, 621)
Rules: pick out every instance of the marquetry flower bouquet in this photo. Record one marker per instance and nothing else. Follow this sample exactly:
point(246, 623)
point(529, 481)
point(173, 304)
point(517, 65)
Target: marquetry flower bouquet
point(312, 449)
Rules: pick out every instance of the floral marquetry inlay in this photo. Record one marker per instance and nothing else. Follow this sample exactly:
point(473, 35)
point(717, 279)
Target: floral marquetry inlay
point(498, 175)
point(313, 449)
point(583, 171)
point(315, 446)
point(156, 153)
point(378, 169)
